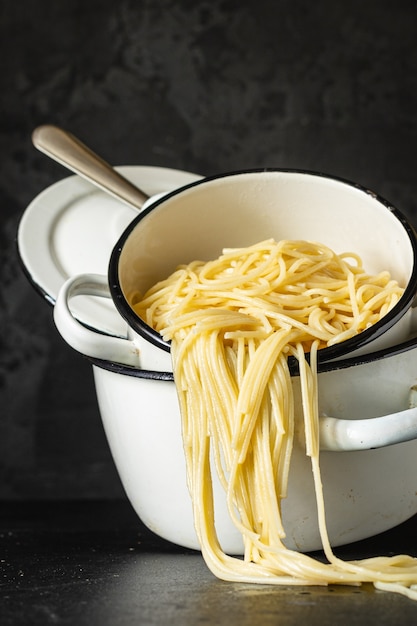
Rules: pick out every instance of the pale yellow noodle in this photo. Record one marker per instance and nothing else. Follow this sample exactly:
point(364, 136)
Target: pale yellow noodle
point(233, 323)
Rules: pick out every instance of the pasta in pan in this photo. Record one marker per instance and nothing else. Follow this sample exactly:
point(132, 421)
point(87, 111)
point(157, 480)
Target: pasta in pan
point(233, 323)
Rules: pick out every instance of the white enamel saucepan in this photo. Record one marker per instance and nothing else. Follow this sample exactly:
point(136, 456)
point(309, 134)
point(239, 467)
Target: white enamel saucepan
point(366, 384)
point(235, 210)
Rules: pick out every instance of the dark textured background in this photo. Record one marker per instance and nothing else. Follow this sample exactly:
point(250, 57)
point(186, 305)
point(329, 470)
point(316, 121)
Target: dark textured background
point(203, 86)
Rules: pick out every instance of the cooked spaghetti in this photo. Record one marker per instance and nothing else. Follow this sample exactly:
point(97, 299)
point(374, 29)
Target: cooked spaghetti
point(233, 323)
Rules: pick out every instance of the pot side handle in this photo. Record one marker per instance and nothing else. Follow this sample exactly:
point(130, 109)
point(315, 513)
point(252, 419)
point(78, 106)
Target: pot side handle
point(89, 342)
point(366, 434)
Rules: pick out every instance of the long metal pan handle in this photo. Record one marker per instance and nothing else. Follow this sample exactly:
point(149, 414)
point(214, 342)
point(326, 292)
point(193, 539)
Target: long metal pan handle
point(70, 152)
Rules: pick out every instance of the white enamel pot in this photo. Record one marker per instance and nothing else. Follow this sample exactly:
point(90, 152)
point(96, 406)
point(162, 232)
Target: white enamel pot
point(364, 383)
point(234, 210)
point(367, 491)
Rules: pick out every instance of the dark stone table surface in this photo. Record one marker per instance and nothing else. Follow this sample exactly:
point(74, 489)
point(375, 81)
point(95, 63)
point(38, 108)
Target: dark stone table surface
point(95, 563)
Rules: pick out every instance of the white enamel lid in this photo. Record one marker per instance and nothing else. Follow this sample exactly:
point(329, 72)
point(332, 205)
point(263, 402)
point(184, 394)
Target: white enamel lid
point(71, 228)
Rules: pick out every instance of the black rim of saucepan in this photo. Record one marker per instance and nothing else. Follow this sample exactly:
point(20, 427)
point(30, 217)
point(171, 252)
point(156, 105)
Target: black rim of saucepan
point(326, 354)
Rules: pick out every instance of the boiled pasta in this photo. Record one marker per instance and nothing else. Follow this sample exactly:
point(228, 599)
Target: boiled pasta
point(233, 323)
